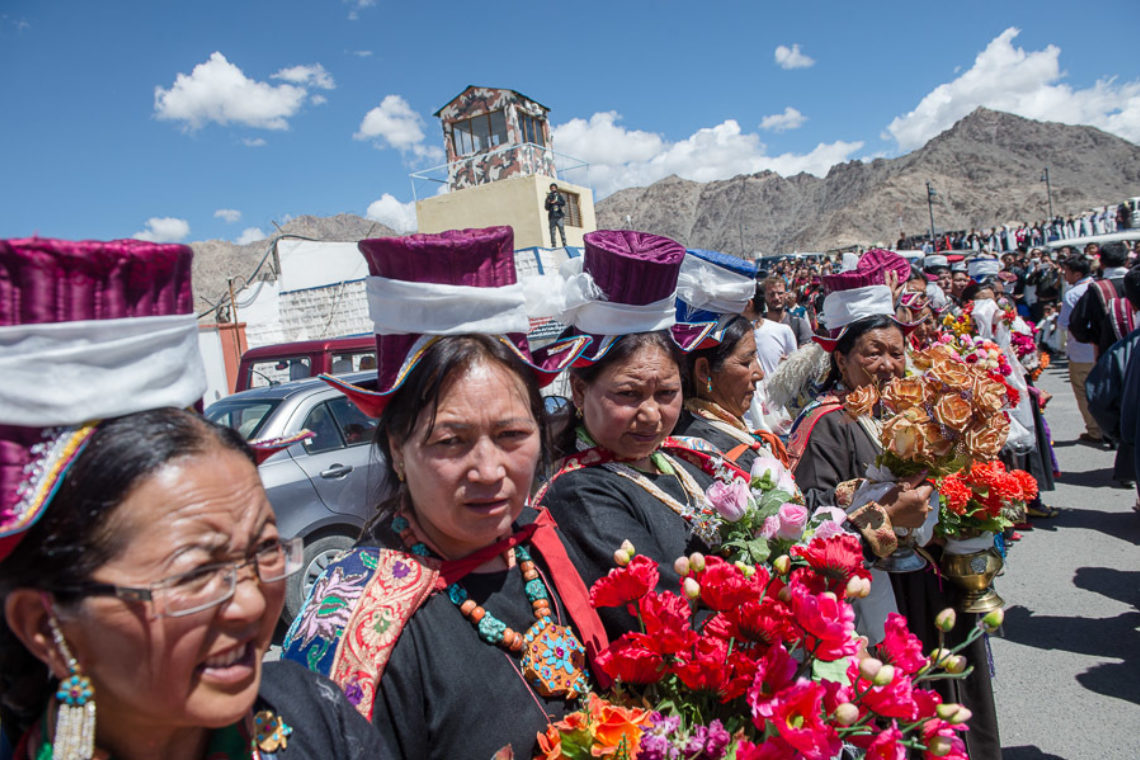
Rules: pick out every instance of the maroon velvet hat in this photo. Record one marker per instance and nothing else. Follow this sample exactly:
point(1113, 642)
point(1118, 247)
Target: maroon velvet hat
point(88, 330)
point(423, 287)
point(861, 293)
point(625, 283)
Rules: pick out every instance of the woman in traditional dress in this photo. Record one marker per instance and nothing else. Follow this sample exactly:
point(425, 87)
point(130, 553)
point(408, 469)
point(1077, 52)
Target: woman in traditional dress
point(622, 476)
point(141, 571)
point(457, 622)
point(832, 452)
point(722, 378)
point(917, 310)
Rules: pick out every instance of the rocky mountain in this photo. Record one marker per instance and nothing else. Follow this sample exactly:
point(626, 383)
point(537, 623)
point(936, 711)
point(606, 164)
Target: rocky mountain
point(986, 171)
point(215, 261)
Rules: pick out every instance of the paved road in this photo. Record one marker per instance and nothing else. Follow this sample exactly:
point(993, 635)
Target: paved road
point(1068, 669)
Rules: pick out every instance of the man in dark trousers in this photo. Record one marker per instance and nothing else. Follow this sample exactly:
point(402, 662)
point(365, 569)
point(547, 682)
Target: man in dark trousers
point(556, 213)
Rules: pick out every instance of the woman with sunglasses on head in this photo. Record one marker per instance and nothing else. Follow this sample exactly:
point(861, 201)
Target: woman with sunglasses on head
point(141, 571)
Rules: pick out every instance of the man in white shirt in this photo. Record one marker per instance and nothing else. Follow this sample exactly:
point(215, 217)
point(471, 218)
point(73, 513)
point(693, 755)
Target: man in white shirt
point(1082, 356)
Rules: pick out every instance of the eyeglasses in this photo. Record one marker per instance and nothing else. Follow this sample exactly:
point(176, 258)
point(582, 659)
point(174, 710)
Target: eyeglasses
point(207, 586)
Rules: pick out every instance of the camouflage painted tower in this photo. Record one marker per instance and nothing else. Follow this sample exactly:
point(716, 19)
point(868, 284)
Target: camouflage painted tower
point(500, 164)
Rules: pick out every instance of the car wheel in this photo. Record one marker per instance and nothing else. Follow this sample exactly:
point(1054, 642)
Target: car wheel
point(318, 554)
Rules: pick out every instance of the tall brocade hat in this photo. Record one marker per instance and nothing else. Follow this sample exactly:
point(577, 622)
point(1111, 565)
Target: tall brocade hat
point(713, 287)
point(861, 293)
point(979, 267)
point(88, 330)
point(423, 287)
point(625, 282)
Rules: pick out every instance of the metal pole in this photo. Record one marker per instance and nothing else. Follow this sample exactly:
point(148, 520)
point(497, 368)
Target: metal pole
point(1048, 192)
point(740, 219)
point(930, 208)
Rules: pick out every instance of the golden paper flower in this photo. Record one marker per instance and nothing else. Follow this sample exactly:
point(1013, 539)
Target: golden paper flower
point(953, 373)
point(902, 433)
point(989, 395)
point(986, 439)
point(905, 392)
point(861, 400)
point(953, 411)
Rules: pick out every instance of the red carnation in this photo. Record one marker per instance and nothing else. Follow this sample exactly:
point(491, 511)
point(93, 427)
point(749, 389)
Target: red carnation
point(705, 666)
point(768, 621)
point(723, 585)
point(957, 494)
point(774, 673)
point(631, 660)
point(625, 584)
point(667, 624)
point(1028, 484)
point(837, 559)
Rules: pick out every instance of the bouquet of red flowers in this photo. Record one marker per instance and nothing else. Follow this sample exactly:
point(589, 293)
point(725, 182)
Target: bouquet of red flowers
point(985, 498)
point(761, 663)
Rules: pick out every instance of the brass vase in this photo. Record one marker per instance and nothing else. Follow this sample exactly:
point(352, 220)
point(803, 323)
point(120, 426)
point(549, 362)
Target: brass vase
point(974, 572)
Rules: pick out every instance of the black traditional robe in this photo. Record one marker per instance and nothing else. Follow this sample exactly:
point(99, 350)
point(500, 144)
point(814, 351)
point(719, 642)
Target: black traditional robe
point(838, 450)
point(446, 693)
point(697, 427)
point(597, 509)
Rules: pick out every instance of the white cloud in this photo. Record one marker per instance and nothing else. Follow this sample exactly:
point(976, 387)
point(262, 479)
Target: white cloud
point(360, 53)
point(779, 122)
point(792, 58)
point(399, 216)
point(231, 215)
point(218, 91)
point(314, 76)
point(254, 142)
point(395, 123)
point(621, 158)
point(164, 229)
point(318, 100)
point(250, 235)
point(1028, 84)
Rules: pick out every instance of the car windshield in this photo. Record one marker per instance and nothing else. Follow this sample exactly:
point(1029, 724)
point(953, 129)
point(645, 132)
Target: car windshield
point(247, 416)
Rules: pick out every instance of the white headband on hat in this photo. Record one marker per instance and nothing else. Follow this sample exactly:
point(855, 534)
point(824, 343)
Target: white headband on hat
point(399, 307)
point(850, 262)
point(846, 306)
point(67, 373)
point(584, 306)
point(983, 267)
point(704, 285)
point(935, 261)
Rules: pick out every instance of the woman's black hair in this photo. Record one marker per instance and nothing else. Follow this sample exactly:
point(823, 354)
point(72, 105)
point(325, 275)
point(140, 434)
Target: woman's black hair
point(855, 330)
point(74, 537)
point(442, 363)
point(716, 356)
point(970, 292)
point(916, 273)
point(621, 350)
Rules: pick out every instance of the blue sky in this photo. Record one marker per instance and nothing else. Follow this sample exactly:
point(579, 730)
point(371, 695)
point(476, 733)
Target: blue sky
point(199, 120)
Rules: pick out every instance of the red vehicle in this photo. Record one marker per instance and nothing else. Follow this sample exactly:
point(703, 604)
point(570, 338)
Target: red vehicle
point(282, 362)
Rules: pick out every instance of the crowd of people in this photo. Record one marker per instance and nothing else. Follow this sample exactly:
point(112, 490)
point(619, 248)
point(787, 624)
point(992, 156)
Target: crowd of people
point(1019, 236)
point(141, 569)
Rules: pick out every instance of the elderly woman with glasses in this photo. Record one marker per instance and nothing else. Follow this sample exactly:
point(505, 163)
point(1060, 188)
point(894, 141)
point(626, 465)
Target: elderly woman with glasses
point(141, 570)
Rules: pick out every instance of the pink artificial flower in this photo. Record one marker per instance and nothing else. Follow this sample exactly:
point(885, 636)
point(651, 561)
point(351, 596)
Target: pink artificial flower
point(774, 474)
point(832, 514)
point(730, 500)
point(886, 745)
point(901, 647)
point(797, 717)
point(771, 527)
point(827, 621)
point(828, 529)
point(793, 519)
point(895, 700)
point(774, 673)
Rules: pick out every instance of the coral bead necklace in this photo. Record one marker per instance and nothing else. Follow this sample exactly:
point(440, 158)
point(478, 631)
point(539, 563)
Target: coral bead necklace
point(553, 659)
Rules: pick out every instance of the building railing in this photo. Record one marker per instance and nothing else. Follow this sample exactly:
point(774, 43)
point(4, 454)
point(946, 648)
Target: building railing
point(532, 159)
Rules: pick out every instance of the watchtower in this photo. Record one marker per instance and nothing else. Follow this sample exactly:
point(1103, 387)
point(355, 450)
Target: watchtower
point(500, 164)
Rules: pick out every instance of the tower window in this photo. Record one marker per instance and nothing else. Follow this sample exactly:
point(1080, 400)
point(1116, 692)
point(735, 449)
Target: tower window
point(531, 128)
point(479, 133)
